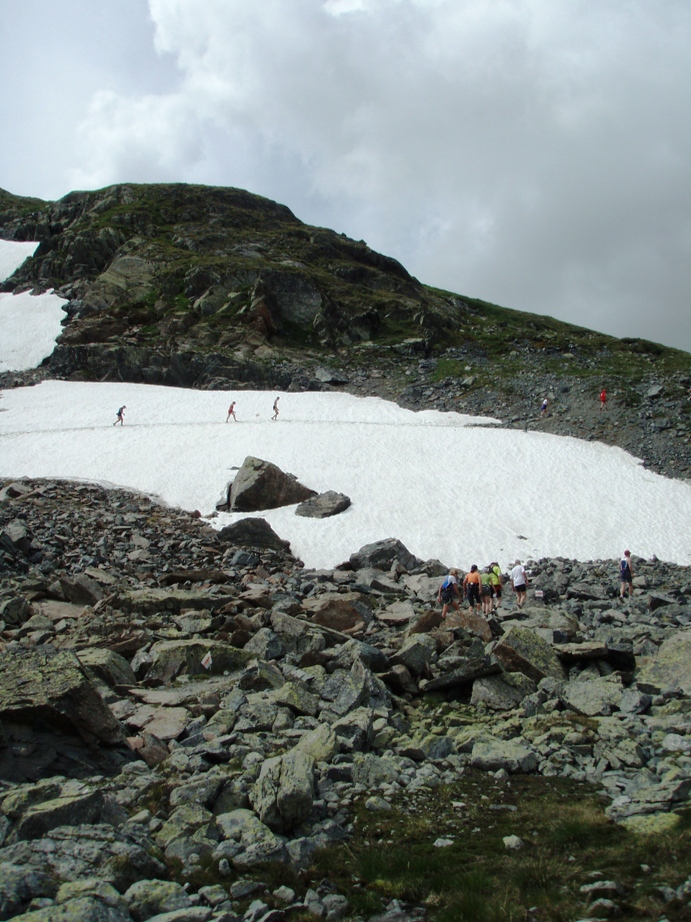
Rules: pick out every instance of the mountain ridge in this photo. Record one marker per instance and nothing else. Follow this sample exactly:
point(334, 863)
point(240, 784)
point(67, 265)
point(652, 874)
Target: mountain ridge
point(200, 286)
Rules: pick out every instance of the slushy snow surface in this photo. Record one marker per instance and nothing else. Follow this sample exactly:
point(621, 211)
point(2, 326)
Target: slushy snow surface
point(29, 324)
point(446, 488)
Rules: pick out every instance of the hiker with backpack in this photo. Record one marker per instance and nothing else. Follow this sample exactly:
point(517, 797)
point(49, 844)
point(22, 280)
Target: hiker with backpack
point(495, 582)
point(449, 593)
point(626, 575)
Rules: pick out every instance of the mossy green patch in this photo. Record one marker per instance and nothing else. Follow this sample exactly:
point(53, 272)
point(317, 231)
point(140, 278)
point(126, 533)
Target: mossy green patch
point(567, 842)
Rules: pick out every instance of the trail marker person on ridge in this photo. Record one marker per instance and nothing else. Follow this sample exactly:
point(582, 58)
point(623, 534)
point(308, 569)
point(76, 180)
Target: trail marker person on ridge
point(543, 408)
point(449, 593)
point(626, 575)
point(275, 416)
point(120, 416)
point(231, 412)
point(603, 399)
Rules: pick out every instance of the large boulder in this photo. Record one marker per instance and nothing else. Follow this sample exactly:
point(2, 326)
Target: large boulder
point(513, 756)
point(383, 554)
point(417, 653)
point(262, 485)
point(104, 666)
point(147, 898)
point(256, 841)
point(671, 668)
point(467, 671)
point(594, 697)
point(48, 693)
point(172, 658)
point(254, 532)
point(522, 650)
point(339, 611)
point(284, 792)
point(502, 692)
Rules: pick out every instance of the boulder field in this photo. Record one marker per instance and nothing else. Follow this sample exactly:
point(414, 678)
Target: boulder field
point(175, 699)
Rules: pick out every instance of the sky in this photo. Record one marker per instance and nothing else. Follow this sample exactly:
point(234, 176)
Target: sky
point(531, 153)
point(451, 487)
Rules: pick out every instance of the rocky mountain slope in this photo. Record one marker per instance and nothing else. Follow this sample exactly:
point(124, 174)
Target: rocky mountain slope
point(217, 288)
point(188, 721)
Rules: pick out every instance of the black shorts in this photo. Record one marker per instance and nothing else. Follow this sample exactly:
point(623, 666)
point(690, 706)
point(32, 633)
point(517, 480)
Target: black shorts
point(497, 591)
point(627, 578)
point(486, 590)
point(472, 593)
point(520, 588)
point(447, 596)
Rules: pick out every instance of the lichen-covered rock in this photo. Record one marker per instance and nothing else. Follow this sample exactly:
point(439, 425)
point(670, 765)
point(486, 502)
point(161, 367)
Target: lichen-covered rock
point(502, 692)
point(321, 743)
point(255, 841)
point(73, 853)
point(148, 898)
point(671, 667)
point(105, 666)
point(284, 792)
point(20, 884)
point(513, 756)
point(593, 697)
point(172, 658)
point(522, 650)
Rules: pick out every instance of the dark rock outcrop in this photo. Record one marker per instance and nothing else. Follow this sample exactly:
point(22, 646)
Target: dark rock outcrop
point(262, 485)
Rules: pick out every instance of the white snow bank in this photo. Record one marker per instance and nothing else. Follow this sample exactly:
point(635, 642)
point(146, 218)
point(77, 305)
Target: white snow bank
point(448, 489)
point(29, 324)
point(12, 255)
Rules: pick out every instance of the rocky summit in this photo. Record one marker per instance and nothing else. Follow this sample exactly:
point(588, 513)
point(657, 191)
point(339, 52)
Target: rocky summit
point(196, 286)
point(180, 712)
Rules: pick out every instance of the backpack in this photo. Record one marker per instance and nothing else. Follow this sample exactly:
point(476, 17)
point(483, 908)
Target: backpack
point(447, 592)
point(624, 567)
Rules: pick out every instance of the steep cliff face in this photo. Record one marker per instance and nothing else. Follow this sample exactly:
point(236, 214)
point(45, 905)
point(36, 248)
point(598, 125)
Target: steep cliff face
point(178, 268)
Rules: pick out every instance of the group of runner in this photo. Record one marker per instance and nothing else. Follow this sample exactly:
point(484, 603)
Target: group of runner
point(231, 410)
point(482, 588)
point(120, 415)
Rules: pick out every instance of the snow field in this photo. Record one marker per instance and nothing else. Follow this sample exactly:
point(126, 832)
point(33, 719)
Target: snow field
point(29, 324)
point(443, 485)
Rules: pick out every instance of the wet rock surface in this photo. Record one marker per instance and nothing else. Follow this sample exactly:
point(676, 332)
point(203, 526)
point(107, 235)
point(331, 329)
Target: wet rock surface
point(171, 701)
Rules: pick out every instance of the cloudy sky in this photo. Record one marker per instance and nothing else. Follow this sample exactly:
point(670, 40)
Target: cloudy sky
point(532, 153)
